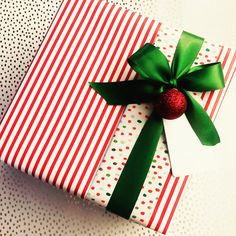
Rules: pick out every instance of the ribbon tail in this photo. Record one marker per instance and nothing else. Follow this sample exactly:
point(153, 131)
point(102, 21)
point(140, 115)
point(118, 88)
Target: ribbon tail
point(127, 92)
point(128, 187)
point(201, 123)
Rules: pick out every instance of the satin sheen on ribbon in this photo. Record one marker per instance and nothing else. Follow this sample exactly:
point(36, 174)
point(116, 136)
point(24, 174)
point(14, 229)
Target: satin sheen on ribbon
point(153, 67)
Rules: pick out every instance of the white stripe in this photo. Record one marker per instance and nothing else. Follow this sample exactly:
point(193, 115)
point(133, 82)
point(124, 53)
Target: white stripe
point(67, 108)
point(162, 203)
point(32, 95)
point(171, 204)
point(107, 76)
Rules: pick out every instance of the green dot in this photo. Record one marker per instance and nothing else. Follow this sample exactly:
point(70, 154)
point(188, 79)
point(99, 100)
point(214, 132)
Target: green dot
point(115, 141)
point(160, 184)
point(100, 169)
point(166, 151)
point(115, 163)
point(124, 126)
point(108, 175)
point(207, 49)
point(139, 121)
point(133, 216)
point(153, 167)
point(108, 194)
point(149, 182)
point(113, 149)
point(154, 160)
point(145, 195)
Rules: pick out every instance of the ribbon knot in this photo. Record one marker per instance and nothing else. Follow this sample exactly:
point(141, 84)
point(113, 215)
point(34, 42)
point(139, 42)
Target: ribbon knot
point(173, 83)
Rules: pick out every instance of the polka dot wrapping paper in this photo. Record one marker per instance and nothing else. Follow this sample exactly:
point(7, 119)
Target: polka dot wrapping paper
point(59, 130)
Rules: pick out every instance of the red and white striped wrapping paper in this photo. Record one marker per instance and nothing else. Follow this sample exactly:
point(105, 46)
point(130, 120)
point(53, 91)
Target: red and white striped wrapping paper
point(58, 129)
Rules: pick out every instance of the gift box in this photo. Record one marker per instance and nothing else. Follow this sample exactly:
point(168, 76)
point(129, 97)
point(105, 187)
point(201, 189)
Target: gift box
point(60, 130)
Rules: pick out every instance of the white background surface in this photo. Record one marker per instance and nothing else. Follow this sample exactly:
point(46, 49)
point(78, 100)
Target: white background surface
point(29, 207)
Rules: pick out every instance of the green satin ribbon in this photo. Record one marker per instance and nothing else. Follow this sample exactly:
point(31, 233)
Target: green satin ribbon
point(153, 67)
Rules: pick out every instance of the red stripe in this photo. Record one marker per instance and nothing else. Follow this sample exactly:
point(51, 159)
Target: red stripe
point(29, 94)
point(167, 203)
point(159, 200)
point(75, 101)
point(175, 205)
point(36, 64)
point(46, 92)
point(81, 123)
point(102, 151)
point(54, 111)
point(221, 50)
point(100, 100)
point(224, 94)
point(107, 68)
point(111, 113)
point(117, 118)
point(221, 91)
point(212, 92)
point(71, 91)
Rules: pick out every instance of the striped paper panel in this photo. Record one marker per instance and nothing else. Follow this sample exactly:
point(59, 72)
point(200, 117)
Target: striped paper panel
point(57, 128)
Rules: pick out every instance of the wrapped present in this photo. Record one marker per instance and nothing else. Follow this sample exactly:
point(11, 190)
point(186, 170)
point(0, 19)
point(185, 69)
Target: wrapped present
point(61, 130)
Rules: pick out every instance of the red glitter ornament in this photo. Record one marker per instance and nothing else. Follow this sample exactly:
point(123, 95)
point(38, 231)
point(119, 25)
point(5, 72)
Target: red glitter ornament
point(170, 104)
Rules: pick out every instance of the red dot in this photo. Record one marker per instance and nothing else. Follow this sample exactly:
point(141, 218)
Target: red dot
point(164, 158)
point(208, 60)
point(134, 128)
point(120, 150)
point(92, 188)
point(124, 115)
point(155, 173)
point(129, 121)
point(159, 167)
point(159, 177)
point(108, 167)
point(102, 178)
point(115, 179)
point(125, 158)
point(171, 46)
point(108, 185)
point(157, 189)
point(98, 181)
point(123, 163)
point(129, 109)
point(167, 164)
point(130, 134)
point(142, 213)
point(143, 202)
point(142, 220)
point(117, 129)
point(103, 160)
point(134, 106)
point(140, 113)
point(112, 157)
point(119, 168)
point(98, 194)
point(151, 201)
point(127, 148)
point(102, 201)
point(122, 133)
point(150, 191)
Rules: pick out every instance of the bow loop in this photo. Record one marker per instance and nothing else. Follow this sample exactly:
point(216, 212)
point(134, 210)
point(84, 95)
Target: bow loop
point(203, 78)
point(151, 64)
point(186, 52)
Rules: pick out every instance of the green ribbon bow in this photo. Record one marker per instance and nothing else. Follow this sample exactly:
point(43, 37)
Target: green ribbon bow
point(153, 67)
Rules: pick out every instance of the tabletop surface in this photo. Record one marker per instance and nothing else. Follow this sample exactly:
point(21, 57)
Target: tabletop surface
point(30, 207)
